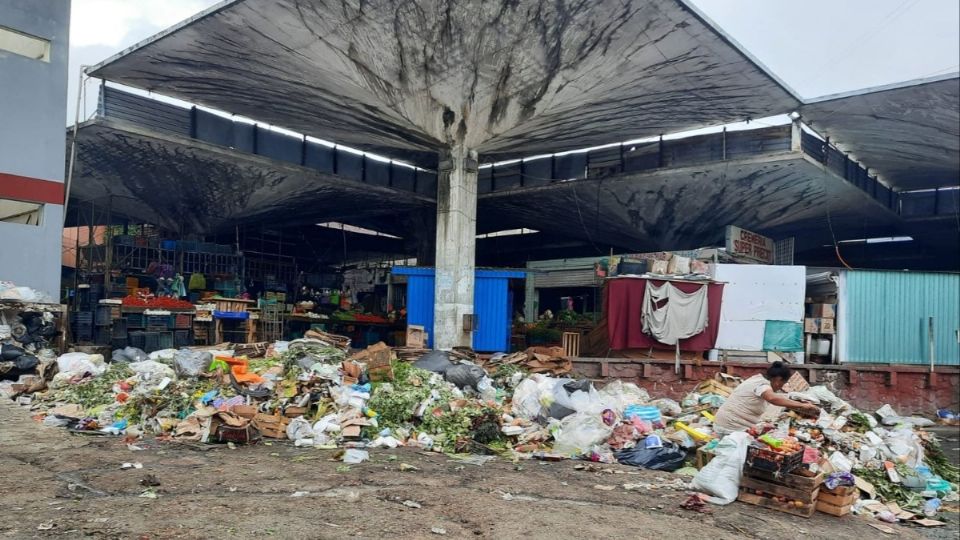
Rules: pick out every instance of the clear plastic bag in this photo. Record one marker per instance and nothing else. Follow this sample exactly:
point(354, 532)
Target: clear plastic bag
point(579, 432)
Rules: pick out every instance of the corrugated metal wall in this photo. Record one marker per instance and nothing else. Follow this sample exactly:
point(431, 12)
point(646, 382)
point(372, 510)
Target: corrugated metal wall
point(493, 317)
point(490, 303)
point(887, 317)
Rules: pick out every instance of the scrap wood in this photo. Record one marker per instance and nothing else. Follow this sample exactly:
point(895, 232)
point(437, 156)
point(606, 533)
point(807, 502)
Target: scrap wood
point(340, 342)
point(536, 360)
point(251, 350)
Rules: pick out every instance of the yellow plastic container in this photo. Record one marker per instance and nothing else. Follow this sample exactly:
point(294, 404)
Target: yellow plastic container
point(699, 435)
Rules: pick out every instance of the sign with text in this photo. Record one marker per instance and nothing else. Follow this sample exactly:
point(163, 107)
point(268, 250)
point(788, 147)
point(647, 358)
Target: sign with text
point(750, 245)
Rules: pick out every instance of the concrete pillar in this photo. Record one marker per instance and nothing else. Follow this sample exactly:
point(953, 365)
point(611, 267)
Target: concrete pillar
point(456, 247)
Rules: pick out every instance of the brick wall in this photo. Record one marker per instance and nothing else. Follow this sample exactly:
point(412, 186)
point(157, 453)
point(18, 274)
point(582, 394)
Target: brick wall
point(908, 389)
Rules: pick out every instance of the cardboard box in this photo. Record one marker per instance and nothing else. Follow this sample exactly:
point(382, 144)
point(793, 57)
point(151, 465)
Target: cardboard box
point(811, 325)
point(416, 336)
point(823, 311)
point(678, 265)
point(828, 326)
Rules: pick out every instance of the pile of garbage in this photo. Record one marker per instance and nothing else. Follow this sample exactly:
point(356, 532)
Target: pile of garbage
point(317, 392)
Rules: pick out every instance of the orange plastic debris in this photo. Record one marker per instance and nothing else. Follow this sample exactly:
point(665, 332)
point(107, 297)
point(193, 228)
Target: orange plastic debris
point(240, 368)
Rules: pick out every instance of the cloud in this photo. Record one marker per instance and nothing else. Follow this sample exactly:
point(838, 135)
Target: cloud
point(109, 22)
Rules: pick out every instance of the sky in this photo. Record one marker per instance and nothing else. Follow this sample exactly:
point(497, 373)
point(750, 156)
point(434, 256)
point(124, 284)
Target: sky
point(817, 47)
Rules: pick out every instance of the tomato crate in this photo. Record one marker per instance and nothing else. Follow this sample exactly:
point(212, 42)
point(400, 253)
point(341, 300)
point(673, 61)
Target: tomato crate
point(183, 320)
point(768, 460)
point(796, 508)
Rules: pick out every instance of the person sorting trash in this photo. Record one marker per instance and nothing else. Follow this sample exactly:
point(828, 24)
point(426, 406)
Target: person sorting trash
point(746, 404)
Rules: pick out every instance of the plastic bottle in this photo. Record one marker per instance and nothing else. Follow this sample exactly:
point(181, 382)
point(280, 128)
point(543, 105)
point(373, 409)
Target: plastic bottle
point(931, 507)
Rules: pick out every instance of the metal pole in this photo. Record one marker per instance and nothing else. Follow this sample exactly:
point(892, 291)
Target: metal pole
point(73, 149)
point(932, 344)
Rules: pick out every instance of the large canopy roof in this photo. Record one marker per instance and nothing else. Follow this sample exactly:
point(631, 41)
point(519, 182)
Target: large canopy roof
point(507, 77)
point(198, 188)
point(689, 207)
point(908, 133)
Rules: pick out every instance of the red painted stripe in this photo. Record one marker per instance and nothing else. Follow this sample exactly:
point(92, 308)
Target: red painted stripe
point(23, 188)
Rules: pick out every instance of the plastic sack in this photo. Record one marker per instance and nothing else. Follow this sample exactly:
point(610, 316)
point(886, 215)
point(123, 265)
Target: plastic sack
point(80, 363)
point(299, 428)
point(721, 477)
point(578, 432)
point(435, 361)
point(464, 375)
point(189, 363)
point(668, 407)
point(667, 457)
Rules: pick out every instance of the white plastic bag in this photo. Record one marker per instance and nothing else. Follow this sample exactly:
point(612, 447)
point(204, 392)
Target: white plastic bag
point(589, 401)
point(721, 477)
point(527, 402)
point(149, 369)
point(299, 428)
point(79, 363)
point(620, 395)
point(327, 424)
point(578, 432)
point(840, 462)
point(354, 456)
point(164, 356)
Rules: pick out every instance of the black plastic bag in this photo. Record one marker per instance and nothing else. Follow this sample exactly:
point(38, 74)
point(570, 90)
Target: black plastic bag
point(668, 458)
point(9, 353)
point(435, 361)
point(465, 375)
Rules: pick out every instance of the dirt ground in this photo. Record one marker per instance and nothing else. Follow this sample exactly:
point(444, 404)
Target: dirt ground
point(54, 484)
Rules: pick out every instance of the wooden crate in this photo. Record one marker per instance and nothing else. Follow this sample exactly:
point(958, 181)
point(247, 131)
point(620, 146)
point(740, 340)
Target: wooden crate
point(571, 344)
point(839, 500)
point(779, 490)
point(703, 457)
point(805, 510)
point(271, 426)
point(791, 479)
point(832, 509)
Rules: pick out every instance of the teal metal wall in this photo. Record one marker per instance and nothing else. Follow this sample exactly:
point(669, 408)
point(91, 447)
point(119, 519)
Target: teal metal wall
point(887, 317)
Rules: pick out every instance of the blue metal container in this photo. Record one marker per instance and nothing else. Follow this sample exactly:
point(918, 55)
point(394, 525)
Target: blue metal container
point(886, 317)
point(491, 304)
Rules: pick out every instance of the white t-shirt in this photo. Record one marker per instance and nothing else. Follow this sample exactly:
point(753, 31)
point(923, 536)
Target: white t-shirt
point(745, 405)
